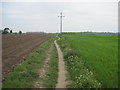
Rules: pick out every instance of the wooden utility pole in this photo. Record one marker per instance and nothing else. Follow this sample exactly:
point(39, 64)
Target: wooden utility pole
point(61, 16)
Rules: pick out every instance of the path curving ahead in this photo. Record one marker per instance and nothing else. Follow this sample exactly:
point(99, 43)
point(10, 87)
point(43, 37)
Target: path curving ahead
point(61, 66)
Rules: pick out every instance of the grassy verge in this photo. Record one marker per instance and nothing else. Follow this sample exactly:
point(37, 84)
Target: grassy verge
point(52, 74)
point(99, 54)
point(26, 74)
point(80, 75)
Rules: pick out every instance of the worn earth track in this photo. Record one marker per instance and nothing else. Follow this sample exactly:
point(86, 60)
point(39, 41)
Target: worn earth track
point(62, 74)
point(43, 70)
point(62, 83)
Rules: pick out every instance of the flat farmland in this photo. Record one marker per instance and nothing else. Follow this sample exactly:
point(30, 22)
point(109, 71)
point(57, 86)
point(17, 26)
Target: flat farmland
point(15, 47)
point(99, 54)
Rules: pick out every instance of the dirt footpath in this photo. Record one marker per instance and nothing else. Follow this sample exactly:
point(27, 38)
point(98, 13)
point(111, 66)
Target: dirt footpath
point(62, 83)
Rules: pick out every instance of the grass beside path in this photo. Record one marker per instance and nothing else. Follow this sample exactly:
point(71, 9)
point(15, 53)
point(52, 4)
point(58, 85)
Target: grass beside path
point(26, 73)
point(52, 74)
point(99, 54)
point(81, 76)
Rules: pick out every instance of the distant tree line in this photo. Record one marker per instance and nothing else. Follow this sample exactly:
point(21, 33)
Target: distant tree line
point(8, 31)
point(91, 33)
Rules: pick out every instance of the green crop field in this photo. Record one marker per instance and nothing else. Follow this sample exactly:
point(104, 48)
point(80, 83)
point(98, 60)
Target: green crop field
point(100, 55)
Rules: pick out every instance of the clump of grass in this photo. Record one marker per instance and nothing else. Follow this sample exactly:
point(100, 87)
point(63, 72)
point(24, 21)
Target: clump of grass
point(52, 74)
point(81, 77)
point(26, 74)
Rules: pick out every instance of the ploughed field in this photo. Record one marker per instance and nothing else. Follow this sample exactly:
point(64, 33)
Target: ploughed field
point(15, 47)
point(100, 55)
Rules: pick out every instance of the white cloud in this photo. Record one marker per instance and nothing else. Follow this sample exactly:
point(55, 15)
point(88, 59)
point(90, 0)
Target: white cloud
point(60, 0)
point(43, 16)
point(0, 15)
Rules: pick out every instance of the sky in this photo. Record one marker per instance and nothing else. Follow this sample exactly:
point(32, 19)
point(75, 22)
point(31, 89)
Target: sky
point(43, 16)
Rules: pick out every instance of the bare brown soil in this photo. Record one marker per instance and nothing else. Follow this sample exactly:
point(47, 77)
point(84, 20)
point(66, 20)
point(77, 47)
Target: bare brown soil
point(15, 47)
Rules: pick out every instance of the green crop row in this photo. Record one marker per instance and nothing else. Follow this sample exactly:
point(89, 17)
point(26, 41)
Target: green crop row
point(99, 54)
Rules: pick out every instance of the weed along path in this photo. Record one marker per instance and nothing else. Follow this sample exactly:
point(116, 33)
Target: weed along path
point(44, 69)
point(61, 83)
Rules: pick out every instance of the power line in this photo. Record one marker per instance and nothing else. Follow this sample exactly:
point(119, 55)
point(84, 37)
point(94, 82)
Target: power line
point(61, 16)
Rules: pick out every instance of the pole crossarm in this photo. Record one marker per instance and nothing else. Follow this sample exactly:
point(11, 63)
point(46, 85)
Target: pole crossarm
point(61, 15)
